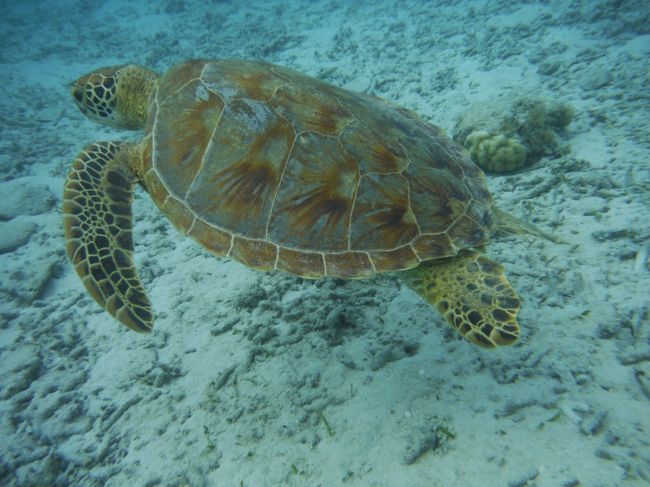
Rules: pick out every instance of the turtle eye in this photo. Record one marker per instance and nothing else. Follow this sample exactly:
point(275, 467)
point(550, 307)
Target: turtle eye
point(78, 94)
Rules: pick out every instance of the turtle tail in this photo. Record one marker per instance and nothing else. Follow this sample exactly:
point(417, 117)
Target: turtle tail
point(98, 231)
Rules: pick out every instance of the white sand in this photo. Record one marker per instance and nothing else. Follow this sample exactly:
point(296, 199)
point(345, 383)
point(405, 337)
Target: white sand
point(264, 379)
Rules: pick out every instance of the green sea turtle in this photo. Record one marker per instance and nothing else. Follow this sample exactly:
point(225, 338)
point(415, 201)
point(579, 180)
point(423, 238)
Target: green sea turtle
point(279, 170)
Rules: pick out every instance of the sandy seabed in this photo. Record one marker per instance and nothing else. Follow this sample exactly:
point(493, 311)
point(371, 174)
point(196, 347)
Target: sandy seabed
point(254, 379)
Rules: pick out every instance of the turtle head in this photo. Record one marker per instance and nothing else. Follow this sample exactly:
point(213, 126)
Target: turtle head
point(115, 95)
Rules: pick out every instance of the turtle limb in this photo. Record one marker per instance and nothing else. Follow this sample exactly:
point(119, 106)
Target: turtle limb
point(506, 223)
point(473, 294)
point(98, 230)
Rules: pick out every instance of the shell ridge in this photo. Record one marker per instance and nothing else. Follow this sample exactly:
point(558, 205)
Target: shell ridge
point(352, 205)
point(210, 143)
point(285, 163)
point(408, 202)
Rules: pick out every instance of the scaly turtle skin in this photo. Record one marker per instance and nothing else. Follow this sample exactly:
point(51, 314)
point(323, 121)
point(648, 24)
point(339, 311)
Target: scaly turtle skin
point(282, 171)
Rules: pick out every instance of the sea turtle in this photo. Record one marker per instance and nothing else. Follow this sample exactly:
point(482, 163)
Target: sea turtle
point(279, 170)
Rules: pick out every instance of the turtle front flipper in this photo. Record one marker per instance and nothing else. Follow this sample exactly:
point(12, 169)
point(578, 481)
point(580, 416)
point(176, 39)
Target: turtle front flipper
point(98, 231)
point(473, 294)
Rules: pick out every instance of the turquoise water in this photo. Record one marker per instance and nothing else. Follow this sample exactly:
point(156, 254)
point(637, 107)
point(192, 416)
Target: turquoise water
point(267, 379)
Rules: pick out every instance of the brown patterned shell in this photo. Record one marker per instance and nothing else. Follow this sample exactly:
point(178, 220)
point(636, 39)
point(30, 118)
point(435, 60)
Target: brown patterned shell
point(281, 171)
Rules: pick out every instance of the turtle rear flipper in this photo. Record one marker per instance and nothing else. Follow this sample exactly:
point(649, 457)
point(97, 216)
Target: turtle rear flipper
point(98, 231)
point(507, 223)
point(473, 294)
